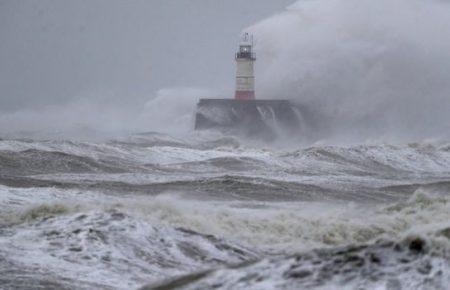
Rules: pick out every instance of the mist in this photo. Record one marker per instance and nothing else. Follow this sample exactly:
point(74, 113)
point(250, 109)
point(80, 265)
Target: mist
point(365, 70)
point(361, 70)
point(97, 63)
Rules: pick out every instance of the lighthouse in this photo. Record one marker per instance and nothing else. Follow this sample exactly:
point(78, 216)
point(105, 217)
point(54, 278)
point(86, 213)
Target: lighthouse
point(245, 77)
point(243, 114)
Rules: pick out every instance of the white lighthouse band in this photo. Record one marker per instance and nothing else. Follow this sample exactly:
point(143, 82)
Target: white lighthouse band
point(245, 77)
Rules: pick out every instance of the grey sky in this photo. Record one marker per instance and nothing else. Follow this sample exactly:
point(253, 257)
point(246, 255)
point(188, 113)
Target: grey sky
point(53, 51)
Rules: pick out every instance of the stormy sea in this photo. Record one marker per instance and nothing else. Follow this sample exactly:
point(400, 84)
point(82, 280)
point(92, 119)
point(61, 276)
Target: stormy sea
point(152, 211)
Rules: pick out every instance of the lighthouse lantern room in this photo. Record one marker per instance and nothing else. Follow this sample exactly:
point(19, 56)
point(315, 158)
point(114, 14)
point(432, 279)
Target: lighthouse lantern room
point(245, 78)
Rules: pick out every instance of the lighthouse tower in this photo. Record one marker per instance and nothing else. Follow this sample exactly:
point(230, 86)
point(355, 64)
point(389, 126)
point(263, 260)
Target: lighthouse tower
point(245, 78)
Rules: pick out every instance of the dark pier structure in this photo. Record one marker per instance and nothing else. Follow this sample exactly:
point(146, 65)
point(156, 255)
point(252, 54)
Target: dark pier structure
point(254, 118)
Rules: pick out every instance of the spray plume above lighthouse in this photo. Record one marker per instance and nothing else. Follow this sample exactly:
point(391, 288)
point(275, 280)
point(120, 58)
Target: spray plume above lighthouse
point(244, 114)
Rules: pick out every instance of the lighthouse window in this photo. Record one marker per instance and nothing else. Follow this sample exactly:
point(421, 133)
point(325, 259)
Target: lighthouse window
point(245, 48)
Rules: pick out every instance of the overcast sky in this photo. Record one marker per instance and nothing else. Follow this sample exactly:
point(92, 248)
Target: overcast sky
point(52, 51)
